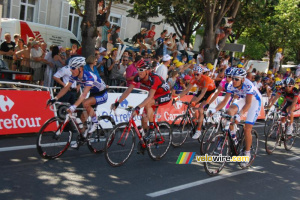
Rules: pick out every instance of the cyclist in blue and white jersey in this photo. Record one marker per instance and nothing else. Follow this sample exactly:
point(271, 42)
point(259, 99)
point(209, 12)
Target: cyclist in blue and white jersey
point(249, 100)
point(90, 83)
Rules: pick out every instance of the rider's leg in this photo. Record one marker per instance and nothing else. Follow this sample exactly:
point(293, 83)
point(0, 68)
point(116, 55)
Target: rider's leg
point(150, 114)
point(87, 104)
point(248, 136)
point(232, 110)
point(289, 130)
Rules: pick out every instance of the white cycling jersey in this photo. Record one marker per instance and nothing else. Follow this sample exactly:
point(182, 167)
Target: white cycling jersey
point(247, 88)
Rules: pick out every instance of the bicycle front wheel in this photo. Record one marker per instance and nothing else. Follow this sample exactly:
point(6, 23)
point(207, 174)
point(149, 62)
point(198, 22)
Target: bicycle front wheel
point(97, 139)
point(119, 145)
point(289, 140)
point(208, 134)
point(54, 138)
point(181, 128)
point(159, 146)
point(217, 147)
point(272, 138)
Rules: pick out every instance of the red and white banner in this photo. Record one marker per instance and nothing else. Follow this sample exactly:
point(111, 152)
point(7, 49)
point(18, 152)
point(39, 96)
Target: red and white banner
point(23, 111)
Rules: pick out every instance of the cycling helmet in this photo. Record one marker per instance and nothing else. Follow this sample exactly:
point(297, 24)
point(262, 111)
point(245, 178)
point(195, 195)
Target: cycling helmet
point(228, 71)
point(198, 69)
point(278, 83)
point(141, 64)
point(289, 81)
point(239, 72)
point(77, 62)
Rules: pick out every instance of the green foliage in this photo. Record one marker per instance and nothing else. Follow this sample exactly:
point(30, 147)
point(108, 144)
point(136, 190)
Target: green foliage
point(254, 50)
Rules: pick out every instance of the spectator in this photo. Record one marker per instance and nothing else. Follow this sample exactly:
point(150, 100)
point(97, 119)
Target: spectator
point(101, 14)
point(44, 66)
point(225, 28)
point(56, 64)
point(114, 36)
point(17, 62)
point(105, 29)
point(16, 38)
point(166, 45)
point(278, 58)
point(172, 80)
point(298, 71)
point(102, 53)
point(200, 57)
point(74, 49)
point(118, 71)
point(149, 39)
point(36, 56)
point(182, 48)
point(24, 56)
point(162, 70)
point(287, 73)
point(172, 47)
point(98, 40)
point(160, 45)
point(140, 40)
point(131, 72)
point(91, 65)
point(7, 50)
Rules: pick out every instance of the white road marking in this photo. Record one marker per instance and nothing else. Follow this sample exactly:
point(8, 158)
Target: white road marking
point(294, 158)
point(201, 182)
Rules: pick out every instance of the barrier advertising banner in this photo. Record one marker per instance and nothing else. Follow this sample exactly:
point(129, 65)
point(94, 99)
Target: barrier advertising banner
point(23, 111)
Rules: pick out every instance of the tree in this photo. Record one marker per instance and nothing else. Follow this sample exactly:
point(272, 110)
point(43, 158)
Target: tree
point(185, 16)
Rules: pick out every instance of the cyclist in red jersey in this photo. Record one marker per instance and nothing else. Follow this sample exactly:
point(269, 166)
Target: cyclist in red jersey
point(159, 94)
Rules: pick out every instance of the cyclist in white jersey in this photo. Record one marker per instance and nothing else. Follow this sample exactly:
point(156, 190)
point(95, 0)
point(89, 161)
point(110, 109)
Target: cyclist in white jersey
point(249, 100)
point(90, 83)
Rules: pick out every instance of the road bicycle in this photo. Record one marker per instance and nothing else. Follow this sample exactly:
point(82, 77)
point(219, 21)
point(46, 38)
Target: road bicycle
point(224, 145)
point(121, 141)
point(277, 134)
point(183, 125)
point(55, 136)
point(271, 117)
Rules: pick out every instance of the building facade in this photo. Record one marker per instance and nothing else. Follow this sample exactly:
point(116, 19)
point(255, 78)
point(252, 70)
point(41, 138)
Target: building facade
point(59, 13)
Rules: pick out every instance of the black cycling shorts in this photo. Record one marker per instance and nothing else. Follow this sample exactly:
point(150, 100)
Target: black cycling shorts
point(206, 96)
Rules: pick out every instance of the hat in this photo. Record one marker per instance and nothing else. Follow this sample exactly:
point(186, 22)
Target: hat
point(192, 62)
point(240, 66)
point(175, 61)
point(242, 58)
point(178, 64)
point(113, 49)
point(34, 43)
point(102, 49)
point(68, 49)
point(106, 57)
point(269, 72)
point(209, 66)
point(288, 69)
point(166, 58)
point(279, 50)
point(277, 79)
point(187, 77)
point(142, 29)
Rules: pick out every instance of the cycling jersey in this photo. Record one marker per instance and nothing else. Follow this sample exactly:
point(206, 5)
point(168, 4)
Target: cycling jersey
point(154, 82)
point(90, 79)
point(224, 86)
point(204, 82)
point(289, 96)
point(247, 89)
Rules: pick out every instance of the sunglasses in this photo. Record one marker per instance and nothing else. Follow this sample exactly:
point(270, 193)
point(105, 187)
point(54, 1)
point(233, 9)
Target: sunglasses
point(141, 70)
point(228, 76)
point(236, 79)
point(73, 68)
point(197, 74)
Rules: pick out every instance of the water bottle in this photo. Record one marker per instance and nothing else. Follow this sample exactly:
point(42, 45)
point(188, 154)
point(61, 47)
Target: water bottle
point(79, 123)
point(141, 130)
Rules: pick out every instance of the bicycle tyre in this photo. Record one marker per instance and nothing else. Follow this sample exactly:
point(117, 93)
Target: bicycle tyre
point(269, 122)
point(97, 140)
point(272, 139)
point(49, 144)
point(253, 149)
point(156, 149)
point(290, 140)
point(212, 150)
point(179, 134)
point(112, 151)
point(208, 134)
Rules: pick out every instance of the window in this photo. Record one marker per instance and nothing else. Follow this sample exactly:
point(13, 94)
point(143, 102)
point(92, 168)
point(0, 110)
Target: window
point(74, 21)
point(146, 25)
point(27, 10)
point(115, 20)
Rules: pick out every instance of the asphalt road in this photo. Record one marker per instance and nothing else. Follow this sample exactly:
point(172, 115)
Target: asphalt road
point(82, 175)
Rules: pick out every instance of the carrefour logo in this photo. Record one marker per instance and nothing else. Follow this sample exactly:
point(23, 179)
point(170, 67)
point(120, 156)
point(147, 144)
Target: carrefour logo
point(124, 104)
point(6, 103)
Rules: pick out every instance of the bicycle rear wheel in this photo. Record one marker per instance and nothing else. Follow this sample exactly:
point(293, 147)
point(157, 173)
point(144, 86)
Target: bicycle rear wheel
point(272, 138)
point(289, 140)
point(119, 145)
point(217, 146)
point(97, 139)
point(160, 144)
point(181, 128)
point(208, 134)
point(253, 149)
point(54, 138)
point(271, 119)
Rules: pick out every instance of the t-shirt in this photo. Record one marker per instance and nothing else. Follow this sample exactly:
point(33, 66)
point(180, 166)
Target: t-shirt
point(65, 73)
point(90, 79)
point(6, 47)
point(180, 46)
point(154, 82)
point(35, 54)
point(277, 57)
point(162, 71)
point(150, 34)
point(140, 37)
point(131, 71)
point(204, 82)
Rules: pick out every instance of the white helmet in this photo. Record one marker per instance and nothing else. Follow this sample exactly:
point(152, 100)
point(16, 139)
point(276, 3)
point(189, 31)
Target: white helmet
point(77, 62)
point(239, 72)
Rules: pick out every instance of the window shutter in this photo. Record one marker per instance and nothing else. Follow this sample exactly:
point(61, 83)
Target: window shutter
point(43, 5)
point(65, 10)
point(15, 9)
point(123, 27)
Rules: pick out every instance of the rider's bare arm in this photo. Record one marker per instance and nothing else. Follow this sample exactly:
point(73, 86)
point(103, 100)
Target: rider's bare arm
point(126, 93)
point(184, 92)
point(274, 100)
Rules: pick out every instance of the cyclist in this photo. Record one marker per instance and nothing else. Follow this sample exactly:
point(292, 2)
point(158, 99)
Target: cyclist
point(206, 87)
point(278, 85)
point(90, 83)
point(249, 101)
point(159, 94)
point(291, 95)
